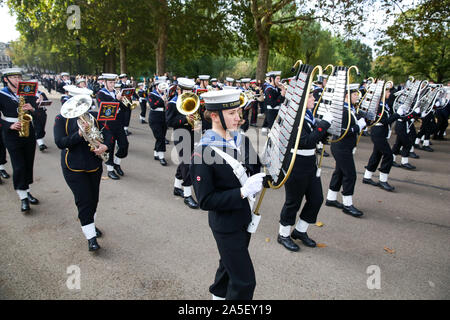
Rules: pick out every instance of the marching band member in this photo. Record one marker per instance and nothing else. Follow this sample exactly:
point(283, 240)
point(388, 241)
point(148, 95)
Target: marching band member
point(177, 121)
point(320, 85)
point(427, 128)
point(21, 149)
point(380, 134)
point(82, 169)
point(442, 115)
point(40, 119)
point(254, 104)
point(344, 174)
point(65, 81)
point(222, 151)
point(304, 182)
point(204, 85)
point(157, 120)
point(214, 84)
point(274, 97)
point(142, 94)
point(3, 173)
point(229, 81)
point(108, 94)
point(246, 110)
point(124, 83)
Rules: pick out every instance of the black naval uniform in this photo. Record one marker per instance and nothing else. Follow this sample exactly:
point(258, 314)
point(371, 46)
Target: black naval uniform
point(177, 121)
point(403, 128)
point(157, 120)
point(218, 191)
point(427, 128)
point(303, 180)
point(143, 102)
point(273, 100)
point(115, 126)
point(381, 149)
point(442, 115)
point(40, 118)
point(21, 150)
point(126, 110)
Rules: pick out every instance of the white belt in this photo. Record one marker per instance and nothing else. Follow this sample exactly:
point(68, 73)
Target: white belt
point(379, 125)
point(10, 119)
point(399, 120)
point(273, 108)
point(158, 109)
point(305, 152)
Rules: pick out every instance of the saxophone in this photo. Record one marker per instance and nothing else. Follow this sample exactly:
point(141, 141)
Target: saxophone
point(24, 119)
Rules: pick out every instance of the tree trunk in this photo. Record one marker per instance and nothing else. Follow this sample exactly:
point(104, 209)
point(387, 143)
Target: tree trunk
point(123, 56)
point(161, 45)
point(263, 56)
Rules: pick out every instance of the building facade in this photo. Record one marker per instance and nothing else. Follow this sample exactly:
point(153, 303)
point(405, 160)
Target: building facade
point(5, 61)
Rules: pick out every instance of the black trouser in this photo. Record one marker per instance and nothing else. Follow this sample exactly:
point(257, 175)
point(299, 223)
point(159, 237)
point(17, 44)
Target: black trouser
point(402, 141)
point(254, 109)
point(39, 121)
point(85, 187)
point(21, 152)
point(235, 277)
point(183, 168)
point(271, 114)
point(159, 130)
point(442, 124)
point(126, 116)
point(2, 149)
point(246, 125)
point(302, 182)
point(143, 108)
point(345, 172)
point(381, 150)
point(121, 139)
point(428, 127)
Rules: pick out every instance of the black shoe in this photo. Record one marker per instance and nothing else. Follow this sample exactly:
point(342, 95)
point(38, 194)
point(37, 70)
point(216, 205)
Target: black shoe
point(93, 245)
point(427, 148)
point(167, 141)
point(288, 243)
point(163, 162)
point(395, 164)
point(178, 192)
point(25, 205)
point(326, 154)
point(407, 166)
point(303, 236)
point(113, 175)
point(4, 174)
point(190, 202)
point(369, 181)
point(32, 199)
point(143, 121)
point(334, 203)
point(118, 170)
point(98, 232)
point(351, 210)
point(413, 155)
point(386, 186)
point(42, 147)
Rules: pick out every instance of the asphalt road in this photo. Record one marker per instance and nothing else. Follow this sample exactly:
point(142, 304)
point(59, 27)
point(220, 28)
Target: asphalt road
point(155, 247)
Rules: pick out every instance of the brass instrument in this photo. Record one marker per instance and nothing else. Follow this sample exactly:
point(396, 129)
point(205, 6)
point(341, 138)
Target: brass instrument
point(77, 107)
point(24, 119)
point(188, 104)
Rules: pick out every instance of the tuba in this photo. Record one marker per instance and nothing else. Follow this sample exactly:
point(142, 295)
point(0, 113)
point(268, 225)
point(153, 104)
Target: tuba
point(77, 107)
point(188, 104)
point(24, 119)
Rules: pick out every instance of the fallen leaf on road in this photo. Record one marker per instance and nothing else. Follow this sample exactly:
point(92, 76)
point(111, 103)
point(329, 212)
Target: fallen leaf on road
point(105, 178)
point(319, 224)
point(388, 250)
point(321, 245)
point(267, 239)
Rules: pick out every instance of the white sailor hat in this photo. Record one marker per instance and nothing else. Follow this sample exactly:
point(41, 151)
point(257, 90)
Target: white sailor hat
point(11, 71)
point(109, 76)
point(214, 80)
point(186, 83)
point(238, 81)
point(274, 73)
point(222, 99)
point(245, 80)
point(123, 75)
point(203, 77)
point(229, 79)
point(117, 85)
point(80, 80)
point(64, 74)
point(140, 84)
point(163, 86)
point(161, 79)
point(353, 87)
point(100, 78)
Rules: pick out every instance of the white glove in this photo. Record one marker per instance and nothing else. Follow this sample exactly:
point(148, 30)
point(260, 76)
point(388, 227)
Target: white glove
point(361, 124)
point(417, 110)
point(400, 111)
point(423, 114)
point(253, 185)
point(328, 117)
